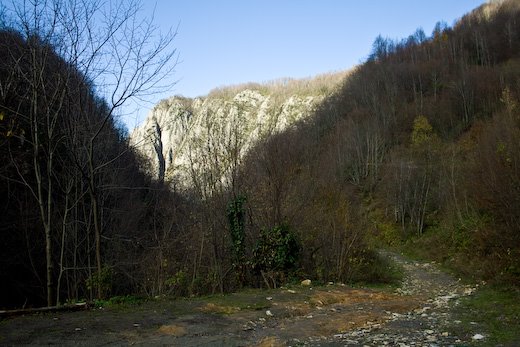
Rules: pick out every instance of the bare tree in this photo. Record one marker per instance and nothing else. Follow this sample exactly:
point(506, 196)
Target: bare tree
point(75, 44)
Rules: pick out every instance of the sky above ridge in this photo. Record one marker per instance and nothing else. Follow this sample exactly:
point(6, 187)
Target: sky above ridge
point(225, 42)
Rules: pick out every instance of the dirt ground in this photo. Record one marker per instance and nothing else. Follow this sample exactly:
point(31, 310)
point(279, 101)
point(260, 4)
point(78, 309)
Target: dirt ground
point(332, 315)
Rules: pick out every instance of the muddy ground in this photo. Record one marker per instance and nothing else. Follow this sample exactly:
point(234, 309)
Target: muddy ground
point(415, 314)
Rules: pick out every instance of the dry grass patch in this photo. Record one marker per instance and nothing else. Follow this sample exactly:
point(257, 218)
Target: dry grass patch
point(173, 330)
point(270, 341)
point(351, 296)
point(341, 323)
point(344, 309)
point(215, 308)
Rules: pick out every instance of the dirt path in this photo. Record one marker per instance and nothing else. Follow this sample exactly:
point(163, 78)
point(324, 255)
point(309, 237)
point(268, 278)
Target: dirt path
point(430, 324)
point(416, 314)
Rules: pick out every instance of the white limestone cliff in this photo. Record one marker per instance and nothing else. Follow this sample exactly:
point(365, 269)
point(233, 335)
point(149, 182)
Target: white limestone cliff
point(186, 139)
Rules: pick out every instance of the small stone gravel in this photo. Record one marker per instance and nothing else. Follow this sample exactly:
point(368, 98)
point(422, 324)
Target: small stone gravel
point(425, 326)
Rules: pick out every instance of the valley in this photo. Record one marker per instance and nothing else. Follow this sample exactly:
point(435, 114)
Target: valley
point(392, 187)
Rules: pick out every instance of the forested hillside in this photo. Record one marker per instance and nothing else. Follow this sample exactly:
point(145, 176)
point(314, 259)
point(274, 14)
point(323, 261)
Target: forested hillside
point(419, 146)
point(73, 195)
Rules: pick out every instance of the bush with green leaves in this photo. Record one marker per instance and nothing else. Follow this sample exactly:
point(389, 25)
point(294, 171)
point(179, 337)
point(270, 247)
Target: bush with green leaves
point(236, 218)
point(101, 280)
point(277, 250)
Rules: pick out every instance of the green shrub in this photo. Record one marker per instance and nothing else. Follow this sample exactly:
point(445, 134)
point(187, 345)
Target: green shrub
point(277, 250)
point(102, 279)
point(369, 267)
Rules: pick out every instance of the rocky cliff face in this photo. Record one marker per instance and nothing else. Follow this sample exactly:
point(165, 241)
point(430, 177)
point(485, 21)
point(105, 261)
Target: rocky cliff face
point(193, 142)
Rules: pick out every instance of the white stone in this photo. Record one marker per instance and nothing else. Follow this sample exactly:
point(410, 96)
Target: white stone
point(478, 337)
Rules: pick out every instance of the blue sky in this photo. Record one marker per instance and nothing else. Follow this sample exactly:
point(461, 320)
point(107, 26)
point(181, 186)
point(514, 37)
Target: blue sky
point(230, 42)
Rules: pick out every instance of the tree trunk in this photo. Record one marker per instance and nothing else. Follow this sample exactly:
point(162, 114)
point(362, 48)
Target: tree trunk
point(95, 215)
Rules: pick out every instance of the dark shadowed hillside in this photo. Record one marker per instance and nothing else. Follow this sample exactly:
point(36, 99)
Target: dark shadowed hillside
point(420, 147)
point(74, 201)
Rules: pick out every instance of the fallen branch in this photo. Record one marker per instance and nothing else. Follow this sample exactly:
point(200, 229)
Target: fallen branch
point(76, 307)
